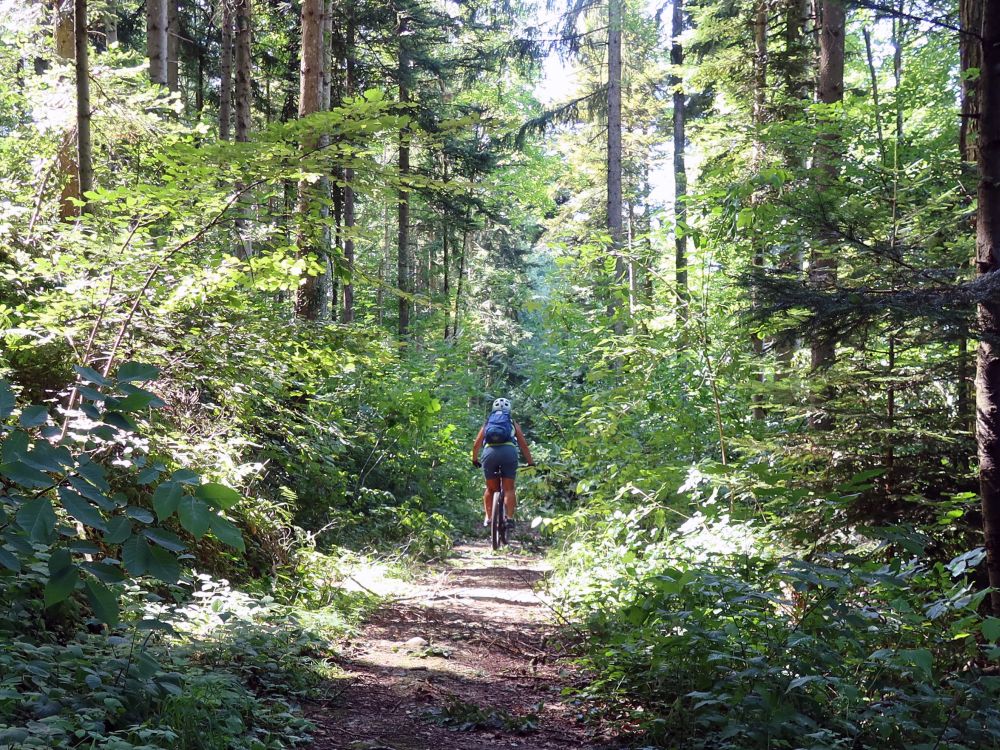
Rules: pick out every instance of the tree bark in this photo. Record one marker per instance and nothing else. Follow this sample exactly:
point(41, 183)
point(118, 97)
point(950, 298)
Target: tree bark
point(64, 37)
point(796, 56)
point(466, 242)
point(85, 158)
point(971, 13)
point(970, 53)
point(156, 40)
point(348, 308)
point(988, 261)
point(226, 71)
point(760, 64)
point(614, 203)
point(307, 302)
point(403, 205)
point(823, 264)
point(680, 170)
point(244, 63)
point(173, 44)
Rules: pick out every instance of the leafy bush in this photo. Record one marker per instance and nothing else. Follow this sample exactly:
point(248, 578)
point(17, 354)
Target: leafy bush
point(706, 638)
point(219, 672)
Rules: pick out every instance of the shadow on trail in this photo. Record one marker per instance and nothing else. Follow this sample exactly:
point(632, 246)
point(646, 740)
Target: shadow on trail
point(490, 651)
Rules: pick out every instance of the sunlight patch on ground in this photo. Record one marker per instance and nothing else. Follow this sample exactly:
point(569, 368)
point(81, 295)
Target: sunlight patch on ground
point(372, 577)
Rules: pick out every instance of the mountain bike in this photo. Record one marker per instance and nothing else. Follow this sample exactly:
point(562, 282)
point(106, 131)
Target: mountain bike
point(498, 516)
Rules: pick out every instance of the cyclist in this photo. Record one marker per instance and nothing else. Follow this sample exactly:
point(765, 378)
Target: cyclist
point(500, 452)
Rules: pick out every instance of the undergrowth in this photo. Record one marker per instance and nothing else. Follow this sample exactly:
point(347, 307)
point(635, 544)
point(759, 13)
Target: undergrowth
point(222, 670)
point(707, 635)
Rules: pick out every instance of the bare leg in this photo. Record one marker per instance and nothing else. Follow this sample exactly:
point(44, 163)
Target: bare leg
point(492, 485)
point(509, 497)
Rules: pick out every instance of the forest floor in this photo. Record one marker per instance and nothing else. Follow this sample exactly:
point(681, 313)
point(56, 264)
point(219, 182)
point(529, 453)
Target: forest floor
point(488, 671)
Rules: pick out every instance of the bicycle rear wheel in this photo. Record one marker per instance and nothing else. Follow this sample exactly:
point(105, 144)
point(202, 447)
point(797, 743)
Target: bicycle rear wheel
point(498, 522)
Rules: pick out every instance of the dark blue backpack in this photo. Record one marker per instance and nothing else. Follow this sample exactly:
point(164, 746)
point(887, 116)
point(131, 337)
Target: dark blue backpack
point(499, 428)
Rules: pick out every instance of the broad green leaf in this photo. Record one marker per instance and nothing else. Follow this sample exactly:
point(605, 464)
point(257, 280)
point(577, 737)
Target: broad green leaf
point(142, 515)
point(116, 419)
point(119, 529)
point(37, 518)
point(46, 457)
point(63, 577)
point(90, 375)
point(102, 601)
point(137, 372)
point(81, 510)
point(148, 475)
point(93, 494)
point(91, 393)
point(228, 533)
point(93, 473)
point(136, 555)
point(195, 516)
point(990, 628)
point(163, 565)
point(165, 539)
point(920, 657)
point(166, 498)
point(105, 571)
point(184, 476)
point(6, 399)
point(138, 400)
point(14, 446)
point(218, 495)
point(33, 416)
point(13, 737)
point(24, 475)
point(9, 560)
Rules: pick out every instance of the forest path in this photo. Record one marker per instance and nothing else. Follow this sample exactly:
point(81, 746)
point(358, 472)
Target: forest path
point(490, 675)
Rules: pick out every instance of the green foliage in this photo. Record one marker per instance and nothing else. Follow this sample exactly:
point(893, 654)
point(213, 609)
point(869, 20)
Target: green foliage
point(50, 485)
point(223, 671)
point(704, 637)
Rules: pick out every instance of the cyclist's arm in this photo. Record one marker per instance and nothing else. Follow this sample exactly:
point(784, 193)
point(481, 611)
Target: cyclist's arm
point(525, 450)
point(477, 446)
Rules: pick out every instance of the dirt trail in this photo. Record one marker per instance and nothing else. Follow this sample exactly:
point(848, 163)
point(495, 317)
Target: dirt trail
point(490, 675)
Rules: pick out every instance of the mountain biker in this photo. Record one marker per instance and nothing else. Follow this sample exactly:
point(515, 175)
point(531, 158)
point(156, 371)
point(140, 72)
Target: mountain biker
point(500, 454)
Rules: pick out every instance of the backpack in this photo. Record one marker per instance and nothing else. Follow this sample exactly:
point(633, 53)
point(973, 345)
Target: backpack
point(499, 428)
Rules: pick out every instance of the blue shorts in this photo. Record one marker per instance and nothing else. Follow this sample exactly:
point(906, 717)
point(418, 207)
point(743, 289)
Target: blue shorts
point(502, 457)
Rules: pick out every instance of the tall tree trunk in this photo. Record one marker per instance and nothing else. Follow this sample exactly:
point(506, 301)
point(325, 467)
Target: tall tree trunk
point(614, 207)
point(173, 44)
point(226, 71)
point(403, 205)
point(85, 159)
point(244, 94)
point(971, 13)
point(988, 261)
point(64, 36)
point(823, 264)
point(348, 308)
point(244, 63)
point(759, 106)
point(466, 243)
point(680, 170)
point(795, 67)
point(446, 262)
point(970, 51)
point(331, 236)
point(307, 302)
point(199, 93)
point(156, 40)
